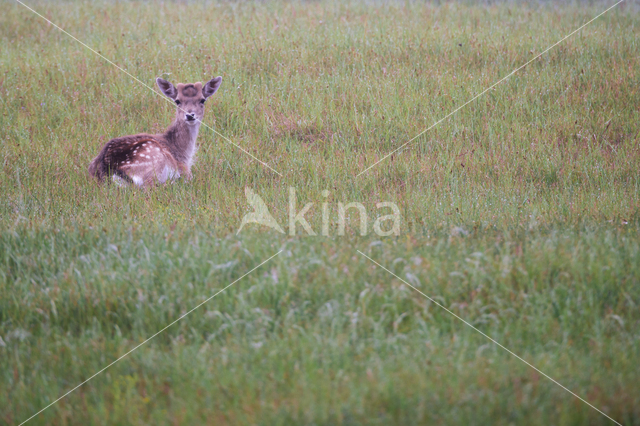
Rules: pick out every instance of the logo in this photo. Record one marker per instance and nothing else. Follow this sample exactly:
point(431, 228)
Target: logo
point(261, 216)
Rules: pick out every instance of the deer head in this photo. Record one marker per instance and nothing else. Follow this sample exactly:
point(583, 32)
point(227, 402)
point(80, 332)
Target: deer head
point(189, 98)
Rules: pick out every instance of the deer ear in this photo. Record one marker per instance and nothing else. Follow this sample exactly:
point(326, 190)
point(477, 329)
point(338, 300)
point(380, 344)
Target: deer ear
point(211, 87)
point(167, 88)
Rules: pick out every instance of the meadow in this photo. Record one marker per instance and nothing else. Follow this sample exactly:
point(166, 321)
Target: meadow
point(519, 214)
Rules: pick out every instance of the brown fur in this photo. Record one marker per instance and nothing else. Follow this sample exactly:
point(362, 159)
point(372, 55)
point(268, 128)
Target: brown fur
point(145, 159)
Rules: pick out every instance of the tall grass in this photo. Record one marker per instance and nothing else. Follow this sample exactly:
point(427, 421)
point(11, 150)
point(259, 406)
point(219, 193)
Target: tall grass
point(519, 213)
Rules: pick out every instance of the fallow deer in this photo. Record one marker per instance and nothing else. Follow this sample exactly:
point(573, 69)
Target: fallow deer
point(144, 159)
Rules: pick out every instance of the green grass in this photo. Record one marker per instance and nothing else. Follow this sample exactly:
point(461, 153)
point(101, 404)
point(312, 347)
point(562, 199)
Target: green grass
point(519, 214)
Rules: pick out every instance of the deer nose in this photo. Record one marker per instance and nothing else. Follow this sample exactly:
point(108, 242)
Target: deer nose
point(190, 116)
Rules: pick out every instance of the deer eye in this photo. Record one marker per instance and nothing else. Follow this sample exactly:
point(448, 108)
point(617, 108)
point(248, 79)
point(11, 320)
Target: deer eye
point(177, 102)
point(202, 101)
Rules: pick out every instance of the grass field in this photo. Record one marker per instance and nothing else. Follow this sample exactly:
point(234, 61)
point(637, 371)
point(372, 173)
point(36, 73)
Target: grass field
point(520, 214)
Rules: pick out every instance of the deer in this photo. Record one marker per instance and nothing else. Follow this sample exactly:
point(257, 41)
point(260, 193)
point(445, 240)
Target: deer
point(146, 159)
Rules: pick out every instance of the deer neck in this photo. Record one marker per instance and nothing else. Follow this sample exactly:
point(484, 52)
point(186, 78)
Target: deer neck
point(181, 139)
